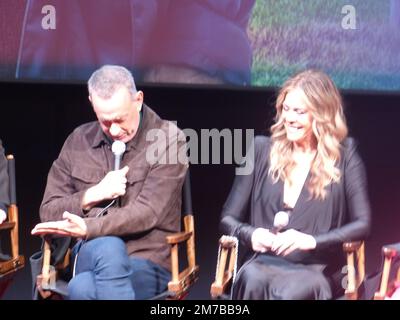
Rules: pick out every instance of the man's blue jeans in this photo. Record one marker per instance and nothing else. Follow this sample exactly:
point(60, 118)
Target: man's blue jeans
point(104, 271)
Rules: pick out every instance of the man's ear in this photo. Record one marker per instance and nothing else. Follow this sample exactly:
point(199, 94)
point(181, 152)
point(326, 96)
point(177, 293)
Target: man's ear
point(139, 99)
point(90, 98)
point(140, 95)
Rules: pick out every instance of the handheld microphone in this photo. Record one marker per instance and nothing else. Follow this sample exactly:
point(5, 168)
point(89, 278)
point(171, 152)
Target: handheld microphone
point(118, 148)
point(281, 220)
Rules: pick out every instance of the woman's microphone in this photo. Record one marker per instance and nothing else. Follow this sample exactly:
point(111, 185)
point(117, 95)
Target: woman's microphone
point(281, 220)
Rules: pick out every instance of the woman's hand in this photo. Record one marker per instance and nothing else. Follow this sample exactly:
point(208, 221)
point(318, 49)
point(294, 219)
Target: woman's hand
point(286, 242)
point(262, 240)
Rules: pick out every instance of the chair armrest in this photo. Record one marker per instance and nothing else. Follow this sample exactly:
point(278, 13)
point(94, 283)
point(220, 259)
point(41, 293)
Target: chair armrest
point(7, 225)
point(227, 242)
point(390, 251)
point(352, 246)
point(178, 237)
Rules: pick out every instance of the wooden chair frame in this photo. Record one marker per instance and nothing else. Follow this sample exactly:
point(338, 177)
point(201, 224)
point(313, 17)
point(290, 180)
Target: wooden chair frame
point(224, 274)
point(181, 281)
point(16, 261)
point(389, 253)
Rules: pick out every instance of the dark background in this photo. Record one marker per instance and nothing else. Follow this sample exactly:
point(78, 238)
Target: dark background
point(36, 119)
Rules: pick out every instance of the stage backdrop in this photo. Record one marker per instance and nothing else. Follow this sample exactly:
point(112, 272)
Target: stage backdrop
point(224, 42)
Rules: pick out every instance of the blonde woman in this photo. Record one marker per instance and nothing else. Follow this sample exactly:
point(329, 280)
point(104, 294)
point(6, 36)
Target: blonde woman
point(311, 170)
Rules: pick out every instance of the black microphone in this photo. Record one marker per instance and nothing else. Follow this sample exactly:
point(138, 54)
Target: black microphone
point(281, 220)
point(118, 148)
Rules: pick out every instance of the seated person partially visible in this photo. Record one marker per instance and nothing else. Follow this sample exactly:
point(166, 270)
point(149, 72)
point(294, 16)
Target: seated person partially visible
point(3, 192)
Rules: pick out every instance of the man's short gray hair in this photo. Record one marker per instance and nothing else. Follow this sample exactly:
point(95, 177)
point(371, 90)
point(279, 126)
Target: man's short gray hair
point(108, 79)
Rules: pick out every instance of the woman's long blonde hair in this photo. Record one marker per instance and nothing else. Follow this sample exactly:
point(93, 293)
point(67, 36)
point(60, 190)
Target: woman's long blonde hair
point(328, 126)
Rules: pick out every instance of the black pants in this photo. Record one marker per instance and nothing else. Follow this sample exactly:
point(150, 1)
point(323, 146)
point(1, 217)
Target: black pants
point(269, 277)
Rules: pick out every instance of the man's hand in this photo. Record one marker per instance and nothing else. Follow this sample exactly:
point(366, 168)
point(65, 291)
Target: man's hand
point(288, 241)
point(112, 186)
point(73, 226)
point(262, 240)
point(3, 216)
